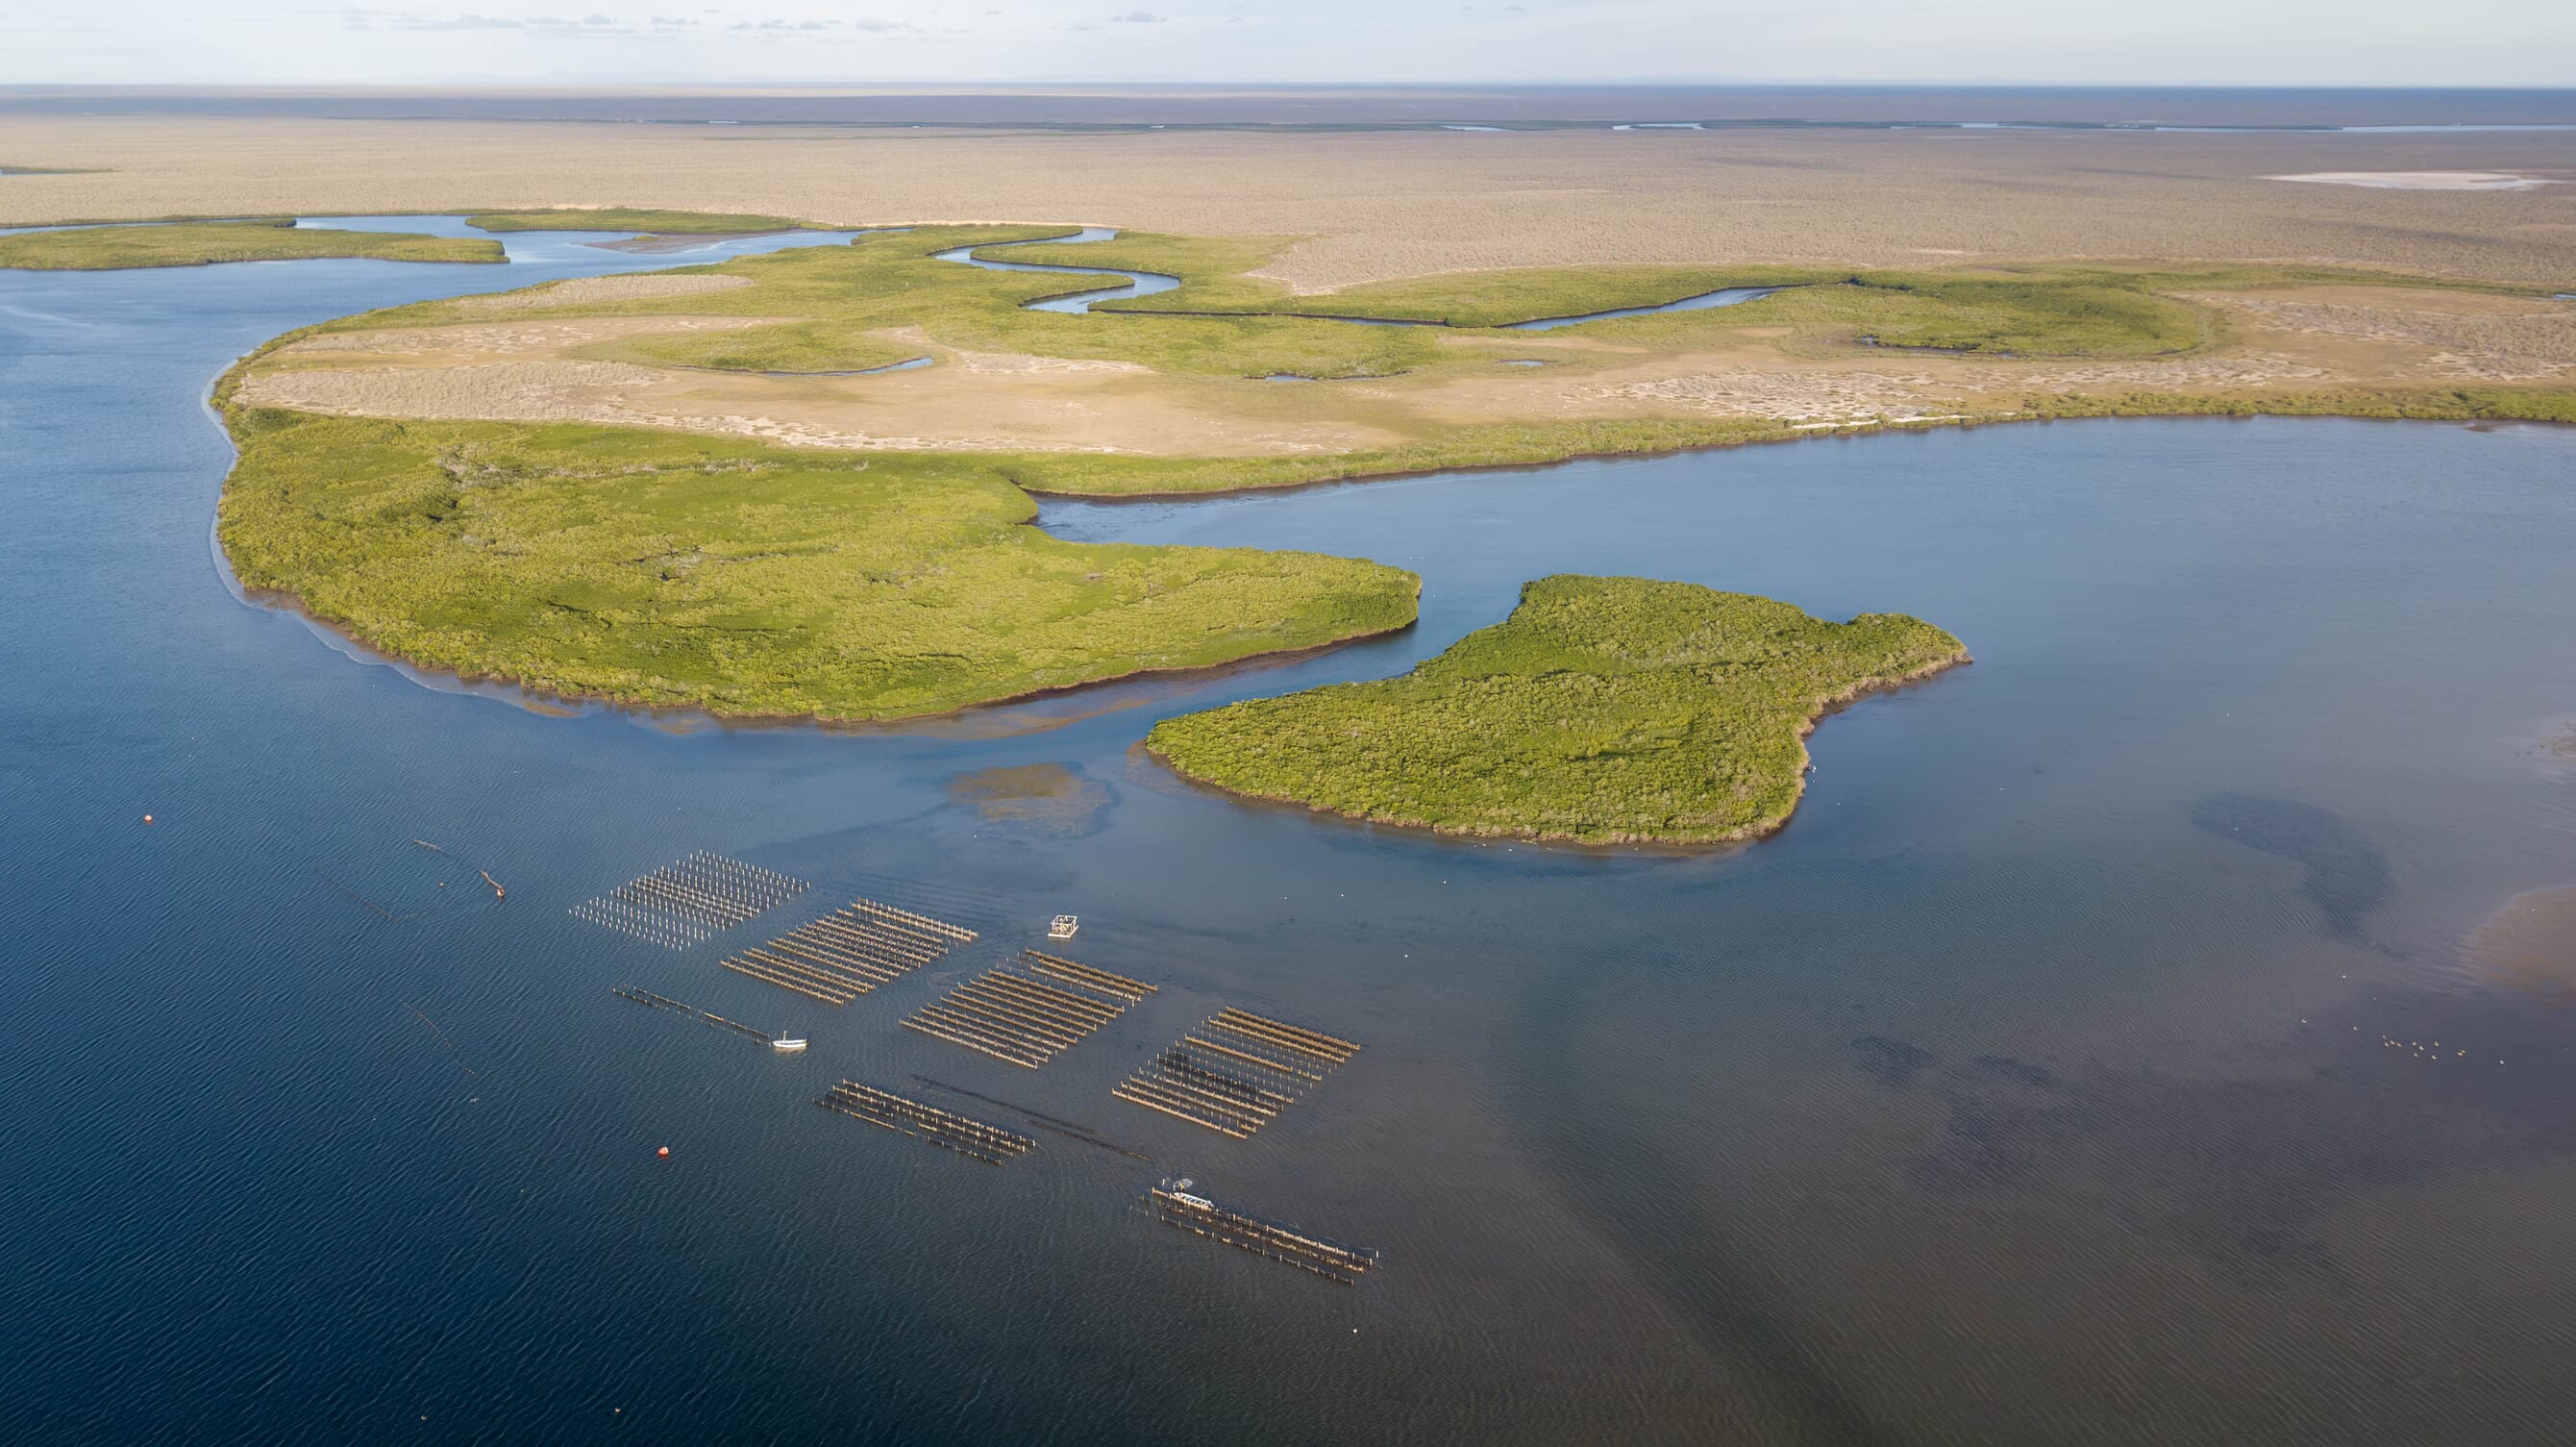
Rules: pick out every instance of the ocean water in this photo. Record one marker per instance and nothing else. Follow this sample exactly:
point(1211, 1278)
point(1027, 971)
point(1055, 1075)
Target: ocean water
point(2062, 1074)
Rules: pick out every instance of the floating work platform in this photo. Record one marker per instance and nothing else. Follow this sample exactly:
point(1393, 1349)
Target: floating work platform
point(1028, 1011)
point(850, 951)
point(689, 900)
point(664, 1002)
point(1177, 1204)
point(905, 1116)
point(1235, 1072)
point(1063, 927)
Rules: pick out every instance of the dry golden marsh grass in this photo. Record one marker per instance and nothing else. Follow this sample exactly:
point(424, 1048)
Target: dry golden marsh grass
point(1380, 205)
point(1786, 361)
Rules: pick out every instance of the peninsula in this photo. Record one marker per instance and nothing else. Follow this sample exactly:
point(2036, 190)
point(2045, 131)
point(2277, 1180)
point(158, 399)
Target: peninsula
point(208, 243)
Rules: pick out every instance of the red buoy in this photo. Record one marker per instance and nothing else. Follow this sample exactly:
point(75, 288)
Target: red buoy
point(666, 1150)
point(147, 818)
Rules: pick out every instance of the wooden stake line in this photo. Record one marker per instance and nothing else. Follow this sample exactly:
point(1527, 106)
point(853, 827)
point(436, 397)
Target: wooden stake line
point(975, 1020)
point(1241, 1079)
point(1096, 978)
point(1274, 1240)
point(665, 1002)
point(1152, 1082)
point(959, 933)
point(845, 954)
point(769, 977)
point(1039, 1003)
point(805, 957)
point(906, 1116)
point(866, 933)
point(1014, 1021)
point(946, 1143)
point(795, 969)
point(967, 1123)
point(827, 944)
point(828, 931)
point(1296, 1037)
point(1066, 994)
point(1178, 1062)
point(942, 1028)
point(1002, 989)
point(1013, 1017)
point(892, 932)
point(977, 1027)
point(682, 903)
point(1271, 1065)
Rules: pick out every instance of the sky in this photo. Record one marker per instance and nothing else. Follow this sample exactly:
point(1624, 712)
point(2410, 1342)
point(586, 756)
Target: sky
point(2289, 42)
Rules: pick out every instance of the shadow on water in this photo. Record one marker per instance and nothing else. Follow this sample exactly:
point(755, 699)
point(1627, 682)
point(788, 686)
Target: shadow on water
point(2347, 874)
point(1621, 1179)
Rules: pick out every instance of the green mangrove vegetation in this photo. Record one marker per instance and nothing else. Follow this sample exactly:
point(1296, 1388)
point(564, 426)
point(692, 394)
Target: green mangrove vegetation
point(1604, 710)
point(207, 243)
point(666, 569)
point(663, 567)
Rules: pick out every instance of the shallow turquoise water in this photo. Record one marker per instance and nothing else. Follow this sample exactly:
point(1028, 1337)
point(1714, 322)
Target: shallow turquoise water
point(2031, 1087)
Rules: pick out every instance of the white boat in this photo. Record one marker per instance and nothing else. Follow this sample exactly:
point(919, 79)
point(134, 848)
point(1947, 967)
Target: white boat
point(788, 1047)
point(1063, 927)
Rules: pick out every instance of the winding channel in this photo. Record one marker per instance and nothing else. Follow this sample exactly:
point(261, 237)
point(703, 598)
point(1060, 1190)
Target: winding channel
point(1152, 283)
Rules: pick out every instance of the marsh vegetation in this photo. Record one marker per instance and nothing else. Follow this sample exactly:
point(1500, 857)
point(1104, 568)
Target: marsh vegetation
point(744, 579)
point(207, 243)
point(1604, 710)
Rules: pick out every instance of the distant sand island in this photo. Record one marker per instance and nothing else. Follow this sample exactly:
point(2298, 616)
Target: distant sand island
point(2425, 180)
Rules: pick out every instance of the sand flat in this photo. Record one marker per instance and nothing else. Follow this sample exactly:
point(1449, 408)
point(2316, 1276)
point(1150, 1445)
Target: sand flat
point(1383, 205)
point(2425, 180)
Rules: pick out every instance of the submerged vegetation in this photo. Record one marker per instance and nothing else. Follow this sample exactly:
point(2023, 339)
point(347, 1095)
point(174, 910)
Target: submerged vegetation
point(659, 568)
point(633, 218)
point(206, 243)
point(1604, 710)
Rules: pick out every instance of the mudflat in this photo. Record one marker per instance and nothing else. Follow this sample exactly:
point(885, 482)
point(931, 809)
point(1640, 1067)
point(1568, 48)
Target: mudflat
point(1372, 205)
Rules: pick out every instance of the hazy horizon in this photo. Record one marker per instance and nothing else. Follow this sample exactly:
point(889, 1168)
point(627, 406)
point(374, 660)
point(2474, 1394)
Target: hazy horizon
point(2191, 43)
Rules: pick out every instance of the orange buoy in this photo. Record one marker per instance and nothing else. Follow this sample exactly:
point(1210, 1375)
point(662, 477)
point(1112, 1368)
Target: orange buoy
point(666, 1150)
point(147, 818)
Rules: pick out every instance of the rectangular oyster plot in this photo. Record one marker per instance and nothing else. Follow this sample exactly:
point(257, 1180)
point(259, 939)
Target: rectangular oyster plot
point(1026, 1015)
point(688, 901)
point(852, 950)
point(1235, 1071)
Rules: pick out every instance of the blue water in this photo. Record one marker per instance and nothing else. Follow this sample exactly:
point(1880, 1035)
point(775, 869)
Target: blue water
point(2031, 1087)
point(1132, 283)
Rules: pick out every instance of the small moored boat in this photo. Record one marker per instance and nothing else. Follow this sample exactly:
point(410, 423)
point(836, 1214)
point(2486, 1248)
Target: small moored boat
point(787, 1047)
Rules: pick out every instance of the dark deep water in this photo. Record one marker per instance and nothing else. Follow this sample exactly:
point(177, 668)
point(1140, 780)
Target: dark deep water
point(2032, 1087)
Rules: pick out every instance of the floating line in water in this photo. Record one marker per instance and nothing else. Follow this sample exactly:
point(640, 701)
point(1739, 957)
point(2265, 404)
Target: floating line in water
point(664, 1002)
point(904, 1116)
point(1174, 1204)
